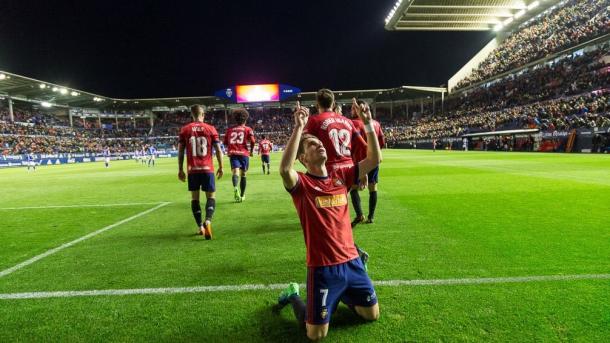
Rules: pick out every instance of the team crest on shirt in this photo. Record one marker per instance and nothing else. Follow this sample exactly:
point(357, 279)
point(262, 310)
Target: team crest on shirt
point(324, 313)
point(338, 182)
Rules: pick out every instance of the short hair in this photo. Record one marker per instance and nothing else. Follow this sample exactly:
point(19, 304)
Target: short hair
point(194, 109)
point(325, 98)
point(240, 115)
point(264, 137)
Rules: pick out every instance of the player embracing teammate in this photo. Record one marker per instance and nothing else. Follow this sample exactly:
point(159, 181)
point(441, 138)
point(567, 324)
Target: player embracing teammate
point(236, 142)
point(335, 271)
point(200, 140)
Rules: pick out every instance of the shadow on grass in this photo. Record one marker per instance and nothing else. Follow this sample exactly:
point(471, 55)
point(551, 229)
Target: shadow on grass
point(279, 325)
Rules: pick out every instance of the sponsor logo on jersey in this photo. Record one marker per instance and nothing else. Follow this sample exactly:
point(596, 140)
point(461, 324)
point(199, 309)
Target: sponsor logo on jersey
point(331, 201)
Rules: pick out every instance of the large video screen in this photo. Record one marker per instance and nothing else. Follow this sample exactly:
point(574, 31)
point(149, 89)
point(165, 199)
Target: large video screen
point(258, 93)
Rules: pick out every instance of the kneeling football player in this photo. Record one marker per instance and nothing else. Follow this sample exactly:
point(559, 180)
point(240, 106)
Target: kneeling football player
point(335, 271)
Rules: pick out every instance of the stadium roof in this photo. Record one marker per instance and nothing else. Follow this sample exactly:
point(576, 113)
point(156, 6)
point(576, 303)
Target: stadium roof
point(463, 15)
point(52, 95)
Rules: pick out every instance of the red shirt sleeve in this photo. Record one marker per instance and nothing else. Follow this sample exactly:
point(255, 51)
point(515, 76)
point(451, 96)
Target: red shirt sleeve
point(297, 190)
point(310, 127)
point(349, 176)
point(251, 134)
point(380, 135)
point(359, 147)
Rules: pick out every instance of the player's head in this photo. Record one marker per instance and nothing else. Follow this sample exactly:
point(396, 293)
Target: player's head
point(264, 137)
point(325, 100)
point(311, 151)
point(197, 111)
point(360, 103)
point(240, 116)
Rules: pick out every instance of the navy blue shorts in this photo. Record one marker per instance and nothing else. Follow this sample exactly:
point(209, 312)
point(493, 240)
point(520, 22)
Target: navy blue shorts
point(374, 175)
point(203, 181)
point(241, 162)
point(326, 286)
point(265, 158)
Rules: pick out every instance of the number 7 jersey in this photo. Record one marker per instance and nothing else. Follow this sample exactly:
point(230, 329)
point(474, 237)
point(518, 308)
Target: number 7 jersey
point(198, 138)
point(338, 135)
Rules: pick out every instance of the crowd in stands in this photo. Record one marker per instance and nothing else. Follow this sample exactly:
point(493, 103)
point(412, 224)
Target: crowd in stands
point(586, 111)
point(570, 23)
point(570, 92)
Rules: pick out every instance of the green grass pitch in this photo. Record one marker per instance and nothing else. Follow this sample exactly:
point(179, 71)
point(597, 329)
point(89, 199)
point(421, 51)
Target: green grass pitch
point(443, 215)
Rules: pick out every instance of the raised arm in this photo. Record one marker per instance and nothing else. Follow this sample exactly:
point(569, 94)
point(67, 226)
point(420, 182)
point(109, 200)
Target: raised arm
point(373, 151)
point(287, 172)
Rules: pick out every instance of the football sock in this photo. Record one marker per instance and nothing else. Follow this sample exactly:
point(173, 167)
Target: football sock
point(263, 168)
point(242, 185)
point(235, 178)
point(268, 167)
point(356, 202)
point(372, 204)
point(210, 206)
point(299, 309)
point(196, 211)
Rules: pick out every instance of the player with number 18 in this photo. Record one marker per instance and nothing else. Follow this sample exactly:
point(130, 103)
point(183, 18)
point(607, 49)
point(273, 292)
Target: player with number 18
point(200, 140)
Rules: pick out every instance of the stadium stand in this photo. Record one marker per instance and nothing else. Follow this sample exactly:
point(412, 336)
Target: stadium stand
point(567, 24)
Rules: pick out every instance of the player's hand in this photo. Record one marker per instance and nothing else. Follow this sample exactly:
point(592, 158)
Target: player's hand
point(301, 115)
point(364, 182)
point(181, 176)
point(219, 173)
point(363, 111)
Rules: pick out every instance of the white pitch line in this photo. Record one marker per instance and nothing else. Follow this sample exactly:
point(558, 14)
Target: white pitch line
point(78, 206)
point(78, 240)
point(271, 287)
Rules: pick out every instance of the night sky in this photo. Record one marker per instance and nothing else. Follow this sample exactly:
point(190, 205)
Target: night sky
point(132, 48)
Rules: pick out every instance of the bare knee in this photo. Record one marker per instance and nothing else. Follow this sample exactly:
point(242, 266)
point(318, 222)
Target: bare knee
point(317, 332)
point(368, 313)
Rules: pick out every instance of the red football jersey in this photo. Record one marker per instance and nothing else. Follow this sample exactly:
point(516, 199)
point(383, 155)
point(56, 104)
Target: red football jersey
point(265, 147)
point(337, 134)
point(359, 125)
point(321, 203)
point(237, 138)
point(198, 138)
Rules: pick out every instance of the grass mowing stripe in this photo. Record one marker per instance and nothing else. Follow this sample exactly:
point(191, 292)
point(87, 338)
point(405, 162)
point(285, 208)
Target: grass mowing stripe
point(78, 240)
point(254, 287)
point(77, 206)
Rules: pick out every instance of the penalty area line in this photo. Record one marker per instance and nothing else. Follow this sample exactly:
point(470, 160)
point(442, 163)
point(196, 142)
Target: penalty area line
point(271, 287)
point(80, 206)
point(78, 240)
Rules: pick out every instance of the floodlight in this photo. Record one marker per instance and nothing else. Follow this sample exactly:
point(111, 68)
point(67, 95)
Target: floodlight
point(63, 91)
point(46, 104)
